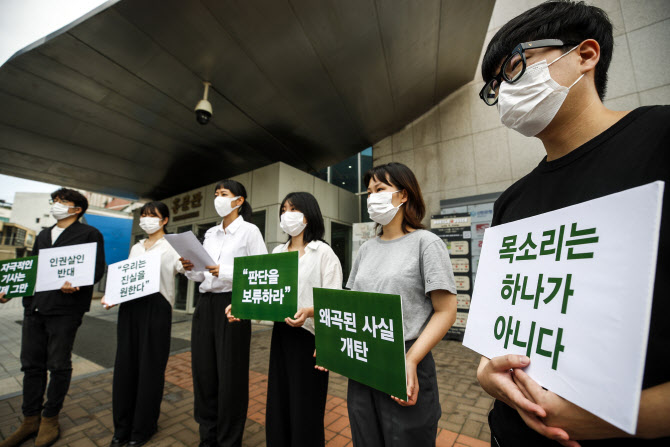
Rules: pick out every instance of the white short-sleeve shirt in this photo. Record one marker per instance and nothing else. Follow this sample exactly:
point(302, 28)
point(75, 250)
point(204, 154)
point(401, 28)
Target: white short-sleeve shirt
point(170, 265)
point(318, 267)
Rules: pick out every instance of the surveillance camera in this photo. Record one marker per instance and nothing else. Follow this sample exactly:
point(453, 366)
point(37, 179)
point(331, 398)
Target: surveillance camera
point(203, 111)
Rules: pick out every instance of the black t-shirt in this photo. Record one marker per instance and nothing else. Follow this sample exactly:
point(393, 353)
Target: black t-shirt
point(633, 152)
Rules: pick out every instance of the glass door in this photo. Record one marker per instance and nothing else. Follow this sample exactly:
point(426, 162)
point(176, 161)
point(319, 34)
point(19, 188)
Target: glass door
point(340, 239)
point(199, 230)
point(182, 283)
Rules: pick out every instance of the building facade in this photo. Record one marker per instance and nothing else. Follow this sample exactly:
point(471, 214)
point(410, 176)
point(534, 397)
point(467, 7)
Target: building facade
point(460, 149)
point(266, 187)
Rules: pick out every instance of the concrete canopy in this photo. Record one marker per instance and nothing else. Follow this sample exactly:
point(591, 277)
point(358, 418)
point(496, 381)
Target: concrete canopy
point(108, 105)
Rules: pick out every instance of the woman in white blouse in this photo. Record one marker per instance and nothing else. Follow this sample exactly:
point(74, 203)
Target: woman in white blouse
point(296, 400)
point(219, 350)
point(143, 339)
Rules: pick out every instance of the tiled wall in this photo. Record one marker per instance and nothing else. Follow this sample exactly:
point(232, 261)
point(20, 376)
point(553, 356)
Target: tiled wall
point(459, 148)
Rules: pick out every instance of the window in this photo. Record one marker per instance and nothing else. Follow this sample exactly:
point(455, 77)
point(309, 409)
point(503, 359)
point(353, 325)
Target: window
point(348, 174)
point(258, 219)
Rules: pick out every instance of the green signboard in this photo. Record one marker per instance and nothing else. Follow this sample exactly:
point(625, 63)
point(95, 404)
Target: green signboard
point(360, 335)
point(18, 276)
point(265, 287)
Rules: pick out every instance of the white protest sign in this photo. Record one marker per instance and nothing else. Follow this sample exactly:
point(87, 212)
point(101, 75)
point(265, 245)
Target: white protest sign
point(133, 278)
point(73, 263)
point(189, 247)
point(561, 288)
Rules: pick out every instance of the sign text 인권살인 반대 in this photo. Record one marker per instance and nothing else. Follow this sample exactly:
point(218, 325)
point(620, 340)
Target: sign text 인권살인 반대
point(72, 263)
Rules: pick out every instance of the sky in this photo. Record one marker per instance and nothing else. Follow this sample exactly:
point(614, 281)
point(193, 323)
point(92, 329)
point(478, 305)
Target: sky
point(9, 185)
point(25, 22)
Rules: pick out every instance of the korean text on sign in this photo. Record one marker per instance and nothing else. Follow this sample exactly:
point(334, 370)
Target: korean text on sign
point(551, 243)
point(72, 263)
point(265, 286)
point(573, 290)
point(133, 278)
point(360, 335)
point(347, 321)
point(17, 277)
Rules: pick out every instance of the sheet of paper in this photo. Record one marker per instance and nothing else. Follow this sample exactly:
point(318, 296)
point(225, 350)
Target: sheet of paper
point(189, 247)
point(133, 278)
point(73, 263)
point(572, 289)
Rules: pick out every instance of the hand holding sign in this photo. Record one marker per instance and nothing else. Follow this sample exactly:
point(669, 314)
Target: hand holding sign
point(495, 378)
point(574, 421)
point(300, 317)
point(412, 386)
point(107, 306)
point(229, 314)
point(67, 288)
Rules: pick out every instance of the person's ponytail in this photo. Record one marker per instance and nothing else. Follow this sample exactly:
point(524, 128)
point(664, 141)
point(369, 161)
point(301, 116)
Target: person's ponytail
point(245, 211)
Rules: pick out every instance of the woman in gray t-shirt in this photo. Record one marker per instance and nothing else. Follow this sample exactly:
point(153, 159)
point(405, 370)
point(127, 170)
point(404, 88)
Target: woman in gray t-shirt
point(409, 261)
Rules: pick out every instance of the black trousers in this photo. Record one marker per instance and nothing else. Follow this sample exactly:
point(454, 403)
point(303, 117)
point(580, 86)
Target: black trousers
point(220, 361)
point(46, 344)
point(296, 391)
point(376, 420)
point(142, 350)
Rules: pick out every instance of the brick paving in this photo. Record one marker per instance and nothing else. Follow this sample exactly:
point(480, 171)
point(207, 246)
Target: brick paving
point(86, 419)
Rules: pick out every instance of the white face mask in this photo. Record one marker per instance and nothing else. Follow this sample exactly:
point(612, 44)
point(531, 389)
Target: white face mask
point(529, 105)
point(380, 207)
point(292, 223)
point(223, 205)
point(60, 211)
point(150, 224)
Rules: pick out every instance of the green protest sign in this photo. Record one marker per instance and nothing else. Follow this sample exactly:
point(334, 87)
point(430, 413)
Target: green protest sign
point(18, 276)
point(265, 287)
point(360, 335)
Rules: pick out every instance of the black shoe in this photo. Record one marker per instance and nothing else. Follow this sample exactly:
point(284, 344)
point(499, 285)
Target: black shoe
point(136, 443)
point(118, 442)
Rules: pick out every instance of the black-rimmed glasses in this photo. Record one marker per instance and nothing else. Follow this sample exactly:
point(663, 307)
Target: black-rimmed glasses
point(59, 200)
point(514, 67)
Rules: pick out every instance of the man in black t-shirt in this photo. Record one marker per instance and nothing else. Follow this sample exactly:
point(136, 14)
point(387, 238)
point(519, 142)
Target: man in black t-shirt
point(547, 72)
